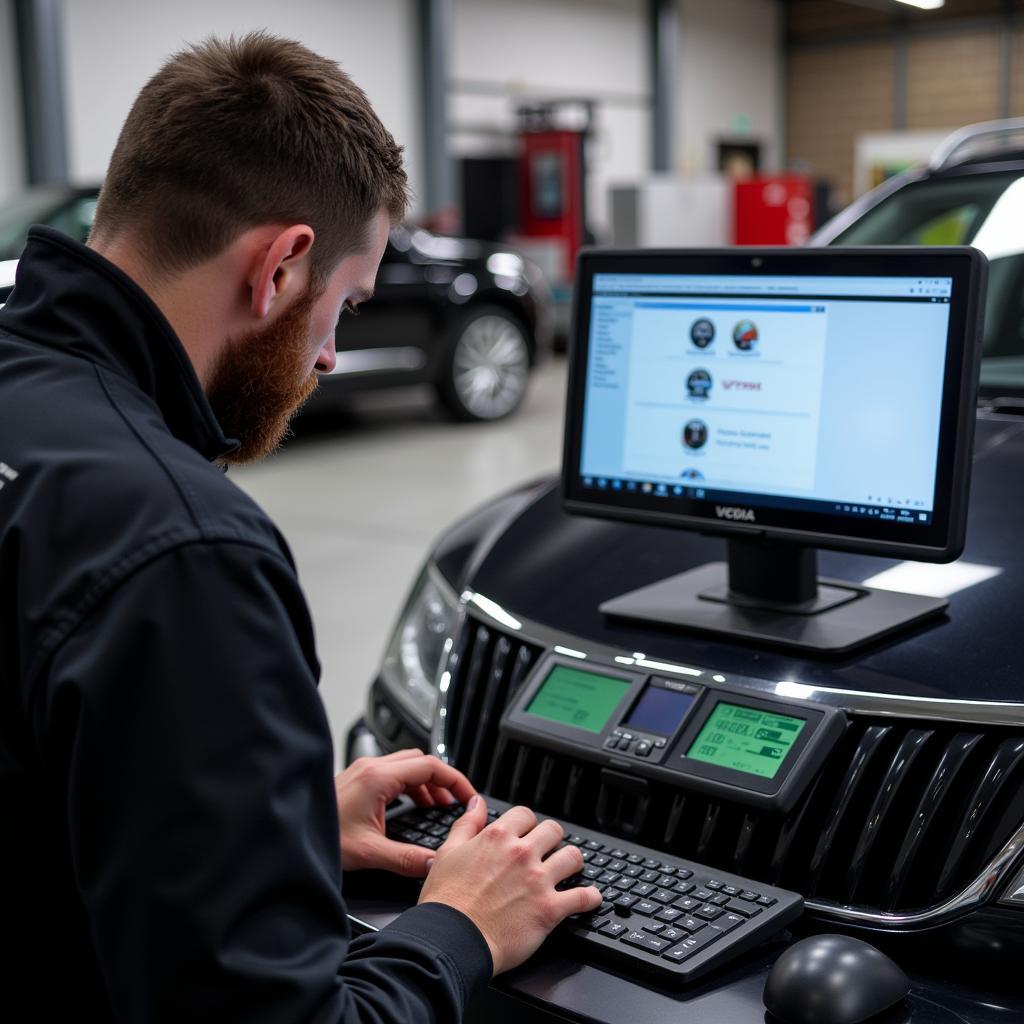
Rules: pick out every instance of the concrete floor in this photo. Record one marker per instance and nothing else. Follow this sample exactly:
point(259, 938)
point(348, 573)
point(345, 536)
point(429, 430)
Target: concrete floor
point(361, 492)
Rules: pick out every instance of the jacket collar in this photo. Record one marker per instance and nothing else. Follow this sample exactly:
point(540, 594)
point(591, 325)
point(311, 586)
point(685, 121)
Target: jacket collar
point(67, 296)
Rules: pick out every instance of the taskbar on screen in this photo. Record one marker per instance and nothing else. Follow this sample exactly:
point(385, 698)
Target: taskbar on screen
point(887, 509)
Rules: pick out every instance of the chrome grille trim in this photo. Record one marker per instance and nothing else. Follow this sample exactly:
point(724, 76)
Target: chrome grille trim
point(478, 609)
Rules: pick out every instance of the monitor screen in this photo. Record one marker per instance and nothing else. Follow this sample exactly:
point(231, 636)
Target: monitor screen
point(573, 697)
point(659, 710)
point(821, 393)
point(746, 739)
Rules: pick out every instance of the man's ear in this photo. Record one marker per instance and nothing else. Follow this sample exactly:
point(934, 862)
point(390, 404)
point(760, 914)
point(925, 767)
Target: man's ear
point(281, 268)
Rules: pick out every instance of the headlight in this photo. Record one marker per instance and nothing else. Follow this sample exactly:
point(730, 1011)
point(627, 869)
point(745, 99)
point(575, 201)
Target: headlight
point(418, 644)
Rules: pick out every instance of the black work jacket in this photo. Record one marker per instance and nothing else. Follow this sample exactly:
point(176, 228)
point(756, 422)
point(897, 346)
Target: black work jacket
point(168, 828)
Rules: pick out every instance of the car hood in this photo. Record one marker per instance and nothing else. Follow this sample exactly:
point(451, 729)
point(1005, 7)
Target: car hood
point(545, 566)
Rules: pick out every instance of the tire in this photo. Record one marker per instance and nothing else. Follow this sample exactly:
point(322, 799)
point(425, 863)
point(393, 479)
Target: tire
point(488, 366)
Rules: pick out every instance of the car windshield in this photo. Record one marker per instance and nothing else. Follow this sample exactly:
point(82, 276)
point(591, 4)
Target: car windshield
point(984, 210)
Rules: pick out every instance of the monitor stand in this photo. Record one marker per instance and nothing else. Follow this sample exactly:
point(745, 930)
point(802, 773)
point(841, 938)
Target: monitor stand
point(769, 592)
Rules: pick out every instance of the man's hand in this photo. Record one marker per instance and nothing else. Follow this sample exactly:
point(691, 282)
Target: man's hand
point(368, 785)
point(503, 879)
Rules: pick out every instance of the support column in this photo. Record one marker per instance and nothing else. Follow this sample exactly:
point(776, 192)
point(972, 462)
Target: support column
point(663, 35)
point(39, 40)
point(438, 167)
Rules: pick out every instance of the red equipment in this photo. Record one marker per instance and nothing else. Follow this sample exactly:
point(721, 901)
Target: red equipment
point(774, 211)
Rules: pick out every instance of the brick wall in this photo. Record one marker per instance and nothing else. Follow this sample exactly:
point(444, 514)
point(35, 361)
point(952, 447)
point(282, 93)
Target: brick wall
point(834, 94)
point(952, 80)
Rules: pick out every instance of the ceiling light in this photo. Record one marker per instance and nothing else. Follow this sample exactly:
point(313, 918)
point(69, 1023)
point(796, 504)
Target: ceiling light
point(925, 5)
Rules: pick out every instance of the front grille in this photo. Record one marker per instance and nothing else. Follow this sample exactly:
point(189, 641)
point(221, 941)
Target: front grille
point(904, 814)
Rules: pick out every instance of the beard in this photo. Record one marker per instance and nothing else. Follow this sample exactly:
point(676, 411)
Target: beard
point(260, 382)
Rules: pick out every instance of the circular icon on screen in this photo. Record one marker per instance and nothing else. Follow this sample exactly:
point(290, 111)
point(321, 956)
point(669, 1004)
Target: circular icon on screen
point(698, 384)
point(744, 335)
point(695, 434)
point(702, 333)
point(692, 474)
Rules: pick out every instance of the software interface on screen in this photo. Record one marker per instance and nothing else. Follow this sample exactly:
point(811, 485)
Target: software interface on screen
point(821, 393)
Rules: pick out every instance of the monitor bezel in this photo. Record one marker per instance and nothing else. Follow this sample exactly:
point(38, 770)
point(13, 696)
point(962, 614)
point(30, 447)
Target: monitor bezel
point(940, 540)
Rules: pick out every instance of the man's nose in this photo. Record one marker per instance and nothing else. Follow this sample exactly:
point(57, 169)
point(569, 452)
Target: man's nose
point(326, 360)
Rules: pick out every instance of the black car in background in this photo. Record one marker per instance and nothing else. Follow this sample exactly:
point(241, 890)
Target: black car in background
point(911, 836)
point(467, 317)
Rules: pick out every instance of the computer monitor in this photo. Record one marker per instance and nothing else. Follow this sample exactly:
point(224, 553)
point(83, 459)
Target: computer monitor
point(788, 399)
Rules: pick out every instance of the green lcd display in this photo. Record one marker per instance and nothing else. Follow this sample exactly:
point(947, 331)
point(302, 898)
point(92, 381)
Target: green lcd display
point(582, 699)
point(746, 739)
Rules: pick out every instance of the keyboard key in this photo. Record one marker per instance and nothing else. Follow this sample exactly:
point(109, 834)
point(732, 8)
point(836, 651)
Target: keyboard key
point(719, 901)
point(625, 884)
point(619, 854)
point(613, 928)
point(663, 896)
point(726, 923)
point(635, 858)
point(600, 860)
point(743, 908)
point(587, 855)
point(713, 884)
point(652, 864)
point(750, 897)
point(591, 872)
point(431, 842)
point(616, 865)
point(668, 914)
point(646, 907)
point(666, 881)
point(703, 895)
point(687, 903)
point(668, 869)
point(683, 873)
point(683, 888)
point(642, 940)
point(593, 844)
point(691, 924)
point(708, 912)
point(650, 876)
point(730, 890)
point(410, 835)
point(575, 840)
point(669, 933)
point(690, 945)
point(766, 901)
point(627, 901)
point(633, 871)
point(654, 927)
point(609, 877)
point(643, 889)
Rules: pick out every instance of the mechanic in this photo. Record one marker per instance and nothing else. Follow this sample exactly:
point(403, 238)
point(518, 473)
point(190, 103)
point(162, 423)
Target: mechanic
point(170, 839)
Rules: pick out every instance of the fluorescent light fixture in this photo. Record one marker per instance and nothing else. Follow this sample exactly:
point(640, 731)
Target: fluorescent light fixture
point(924, 5)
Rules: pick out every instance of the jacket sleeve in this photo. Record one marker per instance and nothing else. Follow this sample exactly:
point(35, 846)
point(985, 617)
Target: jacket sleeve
point(182, 720)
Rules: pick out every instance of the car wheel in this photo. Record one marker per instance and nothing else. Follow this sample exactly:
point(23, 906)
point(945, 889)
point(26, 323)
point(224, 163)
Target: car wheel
point(487, 370)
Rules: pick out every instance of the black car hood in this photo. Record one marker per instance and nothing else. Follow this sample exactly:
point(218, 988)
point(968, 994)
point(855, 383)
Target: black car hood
point(555, 569)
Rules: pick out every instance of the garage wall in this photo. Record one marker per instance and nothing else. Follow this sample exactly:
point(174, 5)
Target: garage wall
point(375, 43)
point(12, 170)
point(844, 68)
point(730, 81)
point(503, 54)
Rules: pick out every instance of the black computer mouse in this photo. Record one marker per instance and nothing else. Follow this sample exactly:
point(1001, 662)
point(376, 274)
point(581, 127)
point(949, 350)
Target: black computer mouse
point(832, 979)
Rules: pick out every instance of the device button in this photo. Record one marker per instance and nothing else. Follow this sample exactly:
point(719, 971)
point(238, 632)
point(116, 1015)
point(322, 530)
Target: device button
point(611, 743)
point(635, 858)
point(744, 909)
point(613, 928)
point(668, 914)
point(691, 924)
point(687, 903)
point(643, 749)
point(726, 923)
point(592, 844)
point(625, 902)
point(751, 897)
point(650, 876)
point(646, 907)
point(672, 934)
point(691, 945)
point(683, 873)
point(591, 872)
point(651, 863)
point(575, 840)
point(624, 743)
point(767, 901)
point(709, 913)
point(730, 890)
point(633, 870)
point(431, 842)
point(713, 883)
point(654, 927)
point(600, 860)
point(659, 743)
point(683, 888)
point(721, 900)
point(668, 869)
point(619, 863)
point(642, 889)
point(703, 895)
point(641, 940)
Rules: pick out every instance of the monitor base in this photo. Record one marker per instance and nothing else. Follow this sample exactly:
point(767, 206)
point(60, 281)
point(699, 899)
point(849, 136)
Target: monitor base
point(839, 618)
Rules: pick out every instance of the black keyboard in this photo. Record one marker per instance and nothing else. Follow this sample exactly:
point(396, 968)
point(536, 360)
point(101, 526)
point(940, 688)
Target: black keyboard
point(661, 915)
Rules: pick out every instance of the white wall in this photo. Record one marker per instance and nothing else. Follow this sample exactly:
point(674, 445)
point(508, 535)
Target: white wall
point(12, 171)
point(503, 53)
point(114, 46)
point(730, 73)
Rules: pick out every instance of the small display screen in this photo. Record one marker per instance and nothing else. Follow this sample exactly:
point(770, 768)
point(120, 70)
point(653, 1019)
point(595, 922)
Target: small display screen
point(660, 710)
point(585, 700)
point(746, 739)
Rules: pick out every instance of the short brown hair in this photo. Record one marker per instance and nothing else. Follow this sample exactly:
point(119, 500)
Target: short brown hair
point(232, 134)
